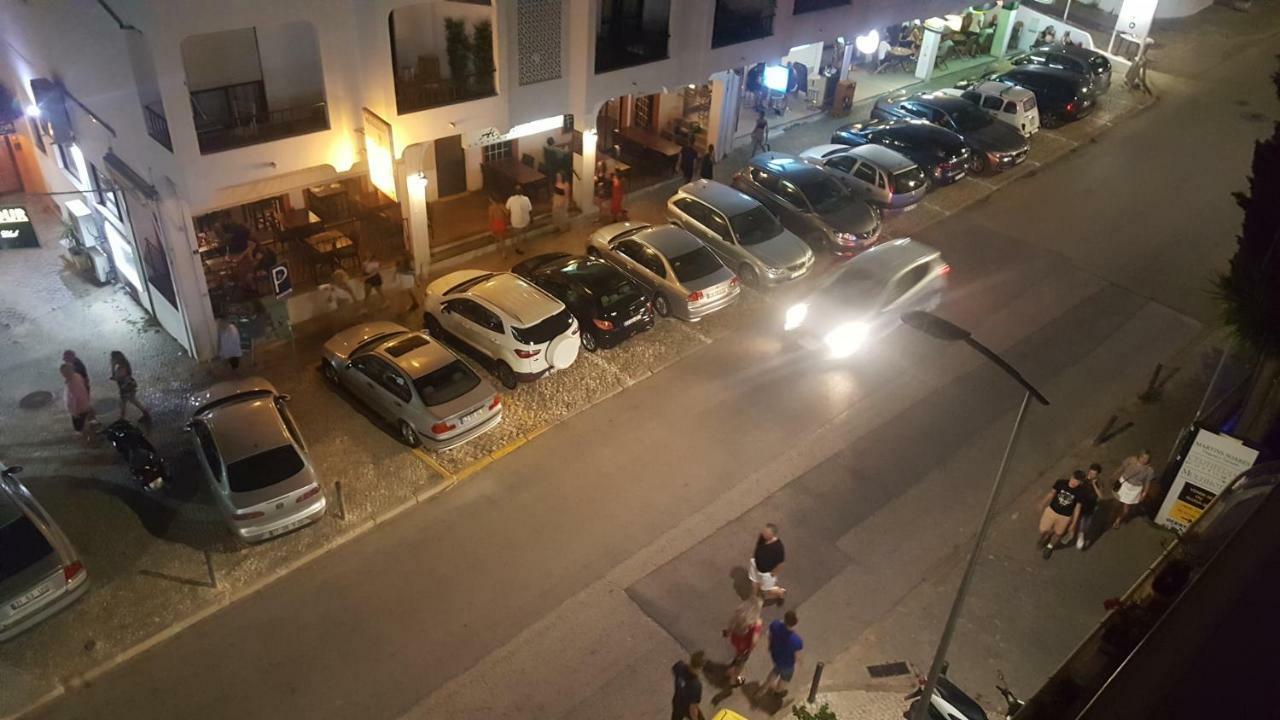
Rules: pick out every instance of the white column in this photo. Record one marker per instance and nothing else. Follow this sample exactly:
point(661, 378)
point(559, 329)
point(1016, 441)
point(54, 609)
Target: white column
point(584, 165)
point(928, 53)
point(719, 115)
point(1004, 31)
point(419, 228)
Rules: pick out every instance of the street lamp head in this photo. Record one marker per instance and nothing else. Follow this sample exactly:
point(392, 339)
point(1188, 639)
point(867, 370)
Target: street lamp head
point(934, 326)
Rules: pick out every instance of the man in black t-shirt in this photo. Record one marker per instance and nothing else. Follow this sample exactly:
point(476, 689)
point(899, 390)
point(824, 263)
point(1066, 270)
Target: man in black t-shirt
point(766, 561)
point(1088, 504)
point(687, 698)
point(1061, 510)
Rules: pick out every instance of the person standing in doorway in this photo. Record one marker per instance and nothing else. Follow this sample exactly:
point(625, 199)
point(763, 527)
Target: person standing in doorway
point(498, 224)
point(760, 136)
point(560, 195)
point(1060, 511)
point(75, 396)
point(602, 191)
point(122, 375)
point(743, 631)
point(520, 210)
point(229, 343)
point(1089, 500)
point(615, 198)
point(707, 171)
point(688, 160)
point(1133, 482)
point(766, 561)
point(785, 645)
point(686, 700)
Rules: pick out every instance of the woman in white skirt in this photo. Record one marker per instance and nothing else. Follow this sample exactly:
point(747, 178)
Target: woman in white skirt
point(1133, 482)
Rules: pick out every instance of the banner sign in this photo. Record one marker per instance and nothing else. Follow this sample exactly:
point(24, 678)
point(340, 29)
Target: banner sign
point(380, 153)
point(1211, 463)
point(16, 230)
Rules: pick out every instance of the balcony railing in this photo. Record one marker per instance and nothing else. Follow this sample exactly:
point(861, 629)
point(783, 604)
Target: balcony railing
point(157, 126)
point(804, 6)
point(415, 94)
point(259, 127)
point(623, 43)
point(735, 26)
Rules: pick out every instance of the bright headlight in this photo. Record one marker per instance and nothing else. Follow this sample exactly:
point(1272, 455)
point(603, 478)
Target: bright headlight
point(795, 316)
point(845, 339)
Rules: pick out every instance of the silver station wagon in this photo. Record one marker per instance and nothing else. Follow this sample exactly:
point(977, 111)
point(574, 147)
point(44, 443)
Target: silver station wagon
point(885, 177)
point(687, 279)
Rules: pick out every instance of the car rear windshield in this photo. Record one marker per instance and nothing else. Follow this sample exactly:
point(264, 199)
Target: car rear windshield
point(755, 226)
point(824, 193)
point(21, 546)
point(447, 383)
point(1099, 64)
point(1029, 104)
point(619, 295)
point(695, 264)
point(544, 331)
point(908, 180)
point(264, 469)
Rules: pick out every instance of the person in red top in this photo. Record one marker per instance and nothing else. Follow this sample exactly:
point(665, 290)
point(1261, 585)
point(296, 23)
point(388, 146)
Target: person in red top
point(743, 632)
point(615, 206)
point(498, 224)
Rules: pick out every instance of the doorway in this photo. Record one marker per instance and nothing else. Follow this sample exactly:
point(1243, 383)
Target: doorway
point(451, 166)
point(10, 180)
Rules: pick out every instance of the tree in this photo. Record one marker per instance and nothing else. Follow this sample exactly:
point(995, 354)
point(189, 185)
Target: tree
point(457, 50)
point(1250, 289)
point(482, 55)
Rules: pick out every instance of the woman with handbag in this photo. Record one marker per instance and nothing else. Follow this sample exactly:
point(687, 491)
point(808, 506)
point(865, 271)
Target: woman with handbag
point(122, 374)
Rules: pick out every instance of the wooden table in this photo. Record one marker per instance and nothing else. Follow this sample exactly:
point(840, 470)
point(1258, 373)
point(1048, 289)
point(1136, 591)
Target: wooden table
point(329, 241)
point(509, 172)
point(896, 56)
point(651, 140)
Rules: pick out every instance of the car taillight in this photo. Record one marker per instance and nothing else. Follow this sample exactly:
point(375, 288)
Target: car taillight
point(441, 428)
point(242, 516)
point(69, 572)
point(526, 354)
point(603, 324)
point(1071, 106)
point(945, 269)
point(733, 282)
point(308, 494)
point(695, 296)
point(495, 402)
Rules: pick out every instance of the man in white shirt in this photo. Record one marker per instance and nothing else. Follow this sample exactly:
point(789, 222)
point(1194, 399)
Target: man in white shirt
point(520, 211)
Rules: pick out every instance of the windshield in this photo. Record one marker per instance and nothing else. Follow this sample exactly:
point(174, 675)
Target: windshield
point(695, 264)
point(24, 545)
point(755, 226)
point(543, 331)
point(447, 383)
point(908, 180)
point(264, 469)
point(969, 118)
point(824, 193)
point(620, 295)
point(855, 284)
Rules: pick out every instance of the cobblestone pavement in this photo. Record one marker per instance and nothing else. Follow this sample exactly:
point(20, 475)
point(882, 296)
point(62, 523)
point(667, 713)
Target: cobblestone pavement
point(148, 554)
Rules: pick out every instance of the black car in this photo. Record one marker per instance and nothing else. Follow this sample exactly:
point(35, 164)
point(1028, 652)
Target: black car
point(941, 153)
point(1061, 95)
point(994, 145)
point(609, 306)
point(1074, 58)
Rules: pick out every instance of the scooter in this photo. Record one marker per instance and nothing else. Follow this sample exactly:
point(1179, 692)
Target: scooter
point(145, 463)
point(950, 702)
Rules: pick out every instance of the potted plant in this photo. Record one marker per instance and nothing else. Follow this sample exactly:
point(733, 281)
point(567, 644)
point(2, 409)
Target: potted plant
point(457, 50)
point(482, 56)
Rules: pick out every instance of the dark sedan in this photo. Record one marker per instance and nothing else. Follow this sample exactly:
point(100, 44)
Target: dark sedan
point(995, 145)
point(609, 306)
point(941, 153)
point(1073, 58)
point(1062, 95)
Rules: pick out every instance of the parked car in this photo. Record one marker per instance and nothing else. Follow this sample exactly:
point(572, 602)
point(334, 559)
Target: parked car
point(1077, 59)
point(886, 177)
point(811, 203)
point(941, 154)
point(687, 279)
point(1010, 104)
point(865, 298)
point(1061, 95)
point(413, 382)
point(517, 329)
point(746, 236)
point(994, 145)
point(608, 305)
point(40, 571)
point(254, 459)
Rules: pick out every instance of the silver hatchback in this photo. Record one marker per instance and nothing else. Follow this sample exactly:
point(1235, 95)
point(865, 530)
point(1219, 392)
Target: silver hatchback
point(433, 398)
point(687, 279)
point(741, 231)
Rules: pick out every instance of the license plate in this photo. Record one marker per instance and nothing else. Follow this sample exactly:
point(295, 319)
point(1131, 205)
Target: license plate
point(30, 596)
point(959, 176)
point(472, 416)
point(910, 207)
point(714, 292)
point(288, 527)
point(632, 321)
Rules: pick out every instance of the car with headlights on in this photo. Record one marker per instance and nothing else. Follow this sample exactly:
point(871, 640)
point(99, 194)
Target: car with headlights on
point(865, 298)
point(811, 202)
point(609, 306)
point(254, 459)
point(686, 279)
point(940, 153)
point(746, 236)
point(994, 145)
point(413, 382)
point(887, 178)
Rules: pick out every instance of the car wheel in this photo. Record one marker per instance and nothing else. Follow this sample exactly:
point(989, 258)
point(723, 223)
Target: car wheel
point(507, 376)
point(408, 435)
point(434, 328)
point(589, 342)
point(978, 163)
point(661, 306)
point(329, 371)
point(749, 276)
point(1051, 122)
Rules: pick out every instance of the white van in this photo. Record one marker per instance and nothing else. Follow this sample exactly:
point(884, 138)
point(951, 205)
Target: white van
point(1007, 103)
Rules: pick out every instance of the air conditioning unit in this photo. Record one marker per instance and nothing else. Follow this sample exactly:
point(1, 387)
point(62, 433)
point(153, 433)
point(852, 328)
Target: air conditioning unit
point(100, 263)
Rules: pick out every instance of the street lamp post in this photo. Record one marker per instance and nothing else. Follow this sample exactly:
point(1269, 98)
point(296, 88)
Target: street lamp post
point(936, 327)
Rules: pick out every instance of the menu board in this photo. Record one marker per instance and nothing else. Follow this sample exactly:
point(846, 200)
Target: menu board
point(1211, 463)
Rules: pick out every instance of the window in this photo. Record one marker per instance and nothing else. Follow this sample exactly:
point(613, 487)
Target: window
point(755, 226)
point(105, 193)
point(643, 256)
point(447, 383)
point(37, 136)
point(991, 102)
point(1011, 107)
point(865, 173)
point(715, 222)
point(264, 469)
point(66, 161)
point(545, 330)
point(695, 210)
point(792, 194)
point(695, 264)
point(905, 283)
point(843, 163)
point(24, 545)
point(476, 314)
point(393, 382)
point(915, 110)
point(208, 449)
point(644, 112)
point(498, 151)
point(971, 96)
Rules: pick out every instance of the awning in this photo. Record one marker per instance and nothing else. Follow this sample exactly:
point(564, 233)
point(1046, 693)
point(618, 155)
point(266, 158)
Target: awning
point(233, 195)
point(126, 173)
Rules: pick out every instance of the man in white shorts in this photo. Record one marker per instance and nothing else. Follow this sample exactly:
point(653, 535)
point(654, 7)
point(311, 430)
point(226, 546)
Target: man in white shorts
point(1133, 484)
point(765, 563)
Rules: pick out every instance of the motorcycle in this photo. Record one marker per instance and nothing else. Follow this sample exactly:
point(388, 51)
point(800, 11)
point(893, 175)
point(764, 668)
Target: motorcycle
point(950, 702)
point(146, 465)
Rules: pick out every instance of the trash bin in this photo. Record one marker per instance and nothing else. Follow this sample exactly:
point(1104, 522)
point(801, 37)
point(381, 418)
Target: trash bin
point(842, 104)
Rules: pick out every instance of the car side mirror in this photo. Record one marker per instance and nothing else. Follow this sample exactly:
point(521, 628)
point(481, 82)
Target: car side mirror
point(189, 427)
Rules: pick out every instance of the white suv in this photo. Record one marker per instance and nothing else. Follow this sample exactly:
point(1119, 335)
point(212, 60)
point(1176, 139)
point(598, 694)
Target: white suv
point(517, 328)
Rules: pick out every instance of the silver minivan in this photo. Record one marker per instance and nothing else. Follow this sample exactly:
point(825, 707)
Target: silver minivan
point(741, 231)
point(40, 572)
point(883, 176)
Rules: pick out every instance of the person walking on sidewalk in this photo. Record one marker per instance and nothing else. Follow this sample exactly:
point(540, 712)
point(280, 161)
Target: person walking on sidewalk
point(498, 224)
point(70, 358)
point(766, 561)
point(602, 191)
point(743, 631)
point(785, 645)
point(560, 194)
point(688, 161)
point(1133, 482)
point(686, 700)
point(1060, 511)
point(75, 396)
point(229, 343)
point(760, 136)
point(521, 212)
point(122, 374)
point(708, 169)
point(1089, 500)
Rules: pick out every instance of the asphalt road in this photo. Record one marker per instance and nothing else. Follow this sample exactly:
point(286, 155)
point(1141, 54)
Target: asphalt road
point(1085, 274)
